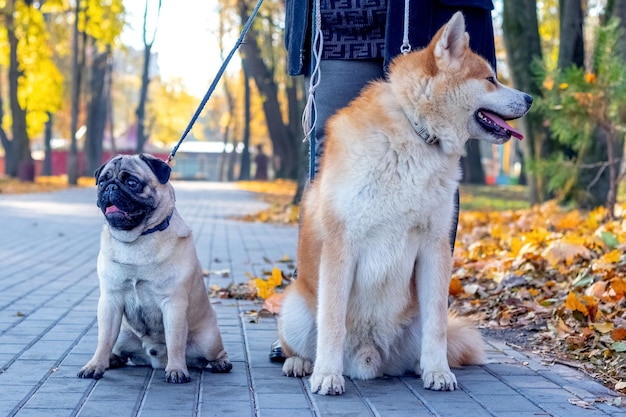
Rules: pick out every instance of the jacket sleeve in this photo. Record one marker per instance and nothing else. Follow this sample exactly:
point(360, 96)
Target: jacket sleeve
point(427, 16)
point(297, 36)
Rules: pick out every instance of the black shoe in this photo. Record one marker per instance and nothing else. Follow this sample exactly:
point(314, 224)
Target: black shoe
point(276, 352)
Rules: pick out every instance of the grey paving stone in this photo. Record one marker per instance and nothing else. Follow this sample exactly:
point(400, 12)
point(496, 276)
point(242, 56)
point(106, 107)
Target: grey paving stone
point(225, 408)
point(48, 302)
point(109, 407)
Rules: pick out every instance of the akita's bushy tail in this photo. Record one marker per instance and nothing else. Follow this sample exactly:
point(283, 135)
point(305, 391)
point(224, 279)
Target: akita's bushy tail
point(465, 343)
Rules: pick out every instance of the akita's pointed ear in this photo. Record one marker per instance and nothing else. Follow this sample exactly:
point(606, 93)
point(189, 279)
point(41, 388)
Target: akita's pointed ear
point(452, 43)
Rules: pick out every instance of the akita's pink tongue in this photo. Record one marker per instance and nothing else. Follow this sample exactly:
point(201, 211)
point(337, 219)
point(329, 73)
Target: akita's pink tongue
point(500, 122)
point(112, 209)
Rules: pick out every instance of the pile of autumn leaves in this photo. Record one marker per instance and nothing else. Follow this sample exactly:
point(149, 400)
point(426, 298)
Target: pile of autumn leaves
point(558, 275)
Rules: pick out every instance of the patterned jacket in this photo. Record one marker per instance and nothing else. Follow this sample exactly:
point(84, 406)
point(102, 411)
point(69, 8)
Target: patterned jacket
point(426, 17)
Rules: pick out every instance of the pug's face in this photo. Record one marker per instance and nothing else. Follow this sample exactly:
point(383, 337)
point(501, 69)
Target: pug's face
point(133, 192)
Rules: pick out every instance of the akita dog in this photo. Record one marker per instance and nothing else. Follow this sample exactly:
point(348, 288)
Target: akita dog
point(374, 261)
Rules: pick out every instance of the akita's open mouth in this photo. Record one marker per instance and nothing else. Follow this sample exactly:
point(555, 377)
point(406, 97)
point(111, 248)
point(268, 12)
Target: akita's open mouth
point(496, 125)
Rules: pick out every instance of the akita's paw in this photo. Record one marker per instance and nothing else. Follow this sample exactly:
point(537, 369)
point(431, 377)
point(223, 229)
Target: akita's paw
point(439, 380)
point(327, 384)
point(177, 376)
point(297, 366)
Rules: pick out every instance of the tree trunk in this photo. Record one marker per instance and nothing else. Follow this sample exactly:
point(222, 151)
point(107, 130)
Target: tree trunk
point(521, 37)
point(143, 97)
point(7, 144)
point(47, 139)
point(571, 45)
point(145, 79)
point(21, 163)
point(224, 158)
point(109, 98)
point(473, 172)
point(244, 167)
point(72, 156)
point(97, 109)
point(284, 147)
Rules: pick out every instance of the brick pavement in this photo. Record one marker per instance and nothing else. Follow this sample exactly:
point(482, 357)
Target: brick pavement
point(48, 296)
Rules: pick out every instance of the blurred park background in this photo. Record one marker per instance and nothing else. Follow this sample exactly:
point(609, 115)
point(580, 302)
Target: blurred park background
point(540, 251)
point(81, 80)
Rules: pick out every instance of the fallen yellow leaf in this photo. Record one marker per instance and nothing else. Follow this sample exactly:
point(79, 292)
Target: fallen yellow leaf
point(573, 303)
point(455, 287)
point(571, 220)
point(564, 252)
point(603, 327)
point(264, 288)
point(277, 277)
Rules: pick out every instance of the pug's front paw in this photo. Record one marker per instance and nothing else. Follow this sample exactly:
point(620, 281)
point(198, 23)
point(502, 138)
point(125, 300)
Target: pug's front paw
point(92, 369)
point(221, 366)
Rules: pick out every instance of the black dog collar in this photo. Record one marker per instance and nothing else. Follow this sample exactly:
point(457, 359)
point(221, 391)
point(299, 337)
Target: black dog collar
point(423, 133)
point(159, 227)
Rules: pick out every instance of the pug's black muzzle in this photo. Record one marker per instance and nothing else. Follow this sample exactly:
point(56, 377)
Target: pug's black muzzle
point(122, 209)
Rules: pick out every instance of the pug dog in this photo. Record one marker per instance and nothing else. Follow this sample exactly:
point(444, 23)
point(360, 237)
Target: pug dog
point(154, 307)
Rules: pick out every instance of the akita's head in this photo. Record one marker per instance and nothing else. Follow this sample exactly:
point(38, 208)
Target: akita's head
point(453, 92)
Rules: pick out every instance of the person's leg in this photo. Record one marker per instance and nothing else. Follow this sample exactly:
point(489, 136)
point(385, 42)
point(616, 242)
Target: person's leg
point(341, 82)
point(455, 220)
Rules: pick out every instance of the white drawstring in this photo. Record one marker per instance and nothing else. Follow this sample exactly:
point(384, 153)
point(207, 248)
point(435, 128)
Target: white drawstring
point(309, 114)
point(406, 46)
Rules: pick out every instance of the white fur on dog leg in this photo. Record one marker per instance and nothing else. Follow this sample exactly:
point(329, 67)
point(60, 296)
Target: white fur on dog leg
point(297, 366)
point(439, 380)
point(327, 384)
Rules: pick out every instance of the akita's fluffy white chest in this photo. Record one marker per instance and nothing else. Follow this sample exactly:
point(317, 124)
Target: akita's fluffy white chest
point(390, 208)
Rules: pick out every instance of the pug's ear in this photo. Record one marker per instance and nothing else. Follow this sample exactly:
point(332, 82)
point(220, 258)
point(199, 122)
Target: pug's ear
point(158, 166)
point(99, 171)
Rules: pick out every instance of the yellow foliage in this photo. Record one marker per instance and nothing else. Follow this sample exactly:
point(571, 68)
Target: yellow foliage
point(277, 277)
point(565, 252)
point(603, 327)
point(40, 85)
point(264, 288)
point(276, 187)
point(569, 221)
point(548, 83)
point(104, 21)
point(456, 287)
point(618, 287)
point(267, 288)
point(539, 235)
point(573, 303)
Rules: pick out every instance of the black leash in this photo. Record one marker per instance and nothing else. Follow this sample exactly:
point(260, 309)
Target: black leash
point(215, 81)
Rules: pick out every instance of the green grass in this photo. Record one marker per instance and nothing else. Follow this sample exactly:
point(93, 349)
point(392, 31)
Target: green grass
point(493, 197)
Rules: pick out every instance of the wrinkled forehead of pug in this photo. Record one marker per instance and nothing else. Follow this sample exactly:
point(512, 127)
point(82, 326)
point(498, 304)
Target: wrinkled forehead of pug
point(123, 167)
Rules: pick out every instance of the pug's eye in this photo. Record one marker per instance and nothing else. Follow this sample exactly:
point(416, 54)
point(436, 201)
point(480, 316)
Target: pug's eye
point(132, 183)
